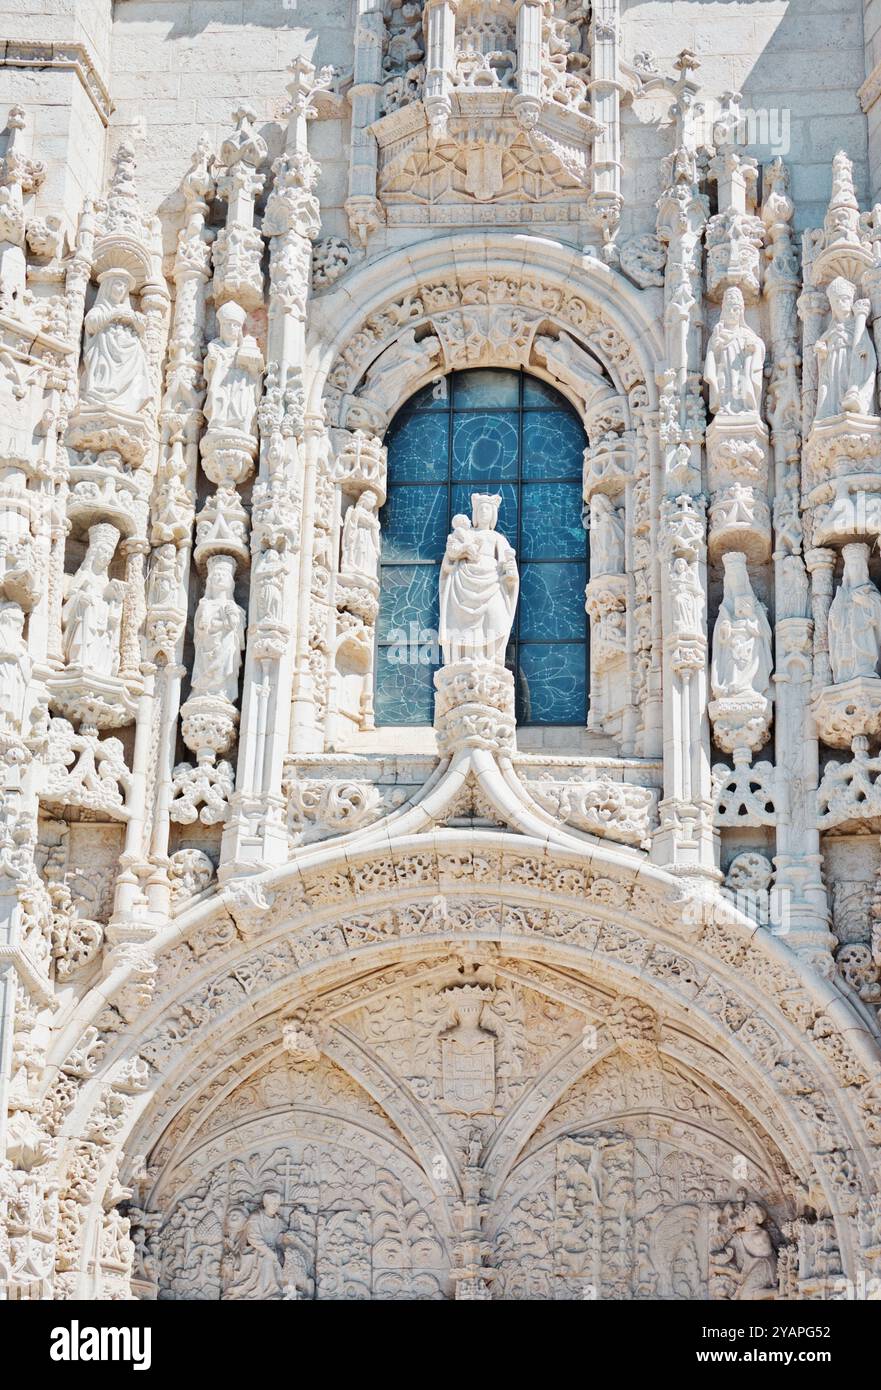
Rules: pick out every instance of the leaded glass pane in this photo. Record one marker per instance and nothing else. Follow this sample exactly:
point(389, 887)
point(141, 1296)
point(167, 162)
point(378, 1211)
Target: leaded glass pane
point(539, 393)
point(434, 396)
point(414, 524)
point(497, 432)
point(486, 389)
point(409, 602)
point(552, 683)
point(486, 444)
point(553, 445)
point(552, 602)
point(419, 445)
point(551, 527)
point(404, 687)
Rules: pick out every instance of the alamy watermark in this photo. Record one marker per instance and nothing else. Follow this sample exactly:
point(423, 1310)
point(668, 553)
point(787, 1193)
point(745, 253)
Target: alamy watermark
point(80, 1342)
point(763, 128)
point(769, 907)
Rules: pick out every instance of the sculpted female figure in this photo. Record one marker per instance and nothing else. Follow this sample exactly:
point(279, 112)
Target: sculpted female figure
point(115, 373)
point(92, 612)
point(479, 585)
point(855, 620)
point(219, 633)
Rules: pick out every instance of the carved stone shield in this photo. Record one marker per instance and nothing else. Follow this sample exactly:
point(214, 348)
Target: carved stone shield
point(469, 1074)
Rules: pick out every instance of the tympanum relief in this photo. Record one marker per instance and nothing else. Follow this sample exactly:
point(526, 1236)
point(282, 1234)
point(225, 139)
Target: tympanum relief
point(629, 1180)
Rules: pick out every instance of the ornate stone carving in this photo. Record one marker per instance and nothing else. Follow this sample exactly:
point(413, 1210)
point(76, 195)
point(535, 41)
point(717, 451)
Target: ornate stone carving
point(855, 620)
point(745, 1264)
point(241, 965)
point(740, 674)
point(846, 356)
point(92, 613)
point(115, 388)
point(600, 806)
point(233, 368)
point(735, 361)
point(390, 376)
point(190, 871)
point(478, 587)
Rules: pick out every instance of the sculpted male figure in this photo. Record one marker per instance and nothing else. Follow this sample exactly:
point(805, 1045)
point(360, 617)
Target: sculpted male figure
point(258, 1267)
point(846, 357)
point(233, 366)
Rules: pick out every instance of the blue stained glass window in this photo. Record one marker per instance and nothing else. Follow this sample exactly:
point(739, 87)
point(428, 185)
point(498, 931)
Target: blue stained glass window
point(420, 445)
point(414, 524)
point(553, 445)
point(551, 683)
point(551, 526)
point(409, 602)
point(486, 444)
point(485, 431)
point(552, 602)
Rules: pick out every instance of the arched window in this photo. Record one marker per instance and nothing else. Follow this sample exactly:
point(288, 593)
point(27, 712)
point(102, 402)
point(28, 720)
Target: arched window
point(485, 431)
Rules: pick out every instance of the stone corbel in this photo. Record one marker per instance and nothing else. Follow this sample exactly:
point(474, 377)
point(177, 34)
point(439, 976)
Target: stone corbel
point(738, 463)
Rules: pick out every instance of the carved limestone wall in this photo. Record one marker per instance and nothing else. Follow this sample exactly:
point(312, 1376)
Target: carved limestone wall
point(297, 1004)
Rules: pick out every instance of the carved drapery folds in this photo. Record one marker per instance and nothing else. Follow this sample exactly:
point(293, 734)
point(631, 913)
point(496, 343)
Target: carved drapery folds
point(479, 584)
point(189, 560)
point(841, 479)
point(233, 370)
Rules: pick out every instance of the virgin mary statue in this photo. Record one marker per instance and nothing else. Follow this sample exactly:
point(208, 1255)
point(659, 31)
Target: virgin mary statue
point(478, 587)
point(115, 371)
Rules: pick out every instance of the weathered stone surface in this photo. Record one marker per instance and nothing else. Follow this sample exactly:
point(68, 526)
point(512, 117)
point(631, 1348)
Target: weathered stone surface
point(295, 1004)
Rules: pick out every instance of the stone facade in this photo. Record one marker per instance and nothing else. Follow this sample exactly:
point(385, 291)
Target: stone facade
point(300, 1000)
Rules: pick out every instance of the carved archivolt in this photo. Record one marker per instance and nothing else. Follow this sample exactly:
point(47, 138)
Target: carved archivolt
point(544, 951)
point(467, 302)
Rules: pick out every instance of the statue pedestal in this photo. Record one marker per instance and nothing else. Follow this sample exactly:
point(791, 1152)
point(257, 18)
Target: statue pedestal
point(849, 711)
point(98, 702)
point(474, 707)
point(209, 724)
point(100, 430)
point(228, 456)
point(738, 464)
point(740, 722)
point(844, 446)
